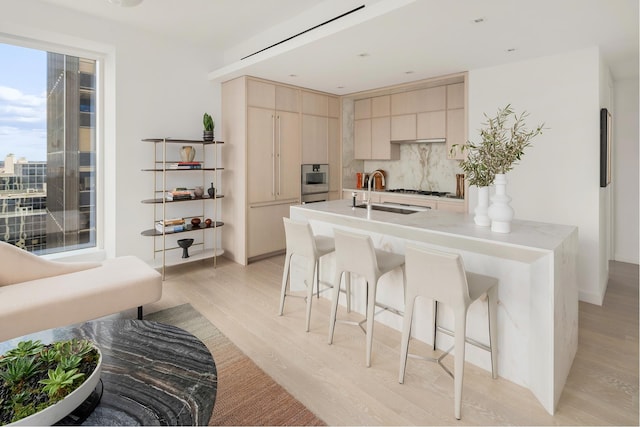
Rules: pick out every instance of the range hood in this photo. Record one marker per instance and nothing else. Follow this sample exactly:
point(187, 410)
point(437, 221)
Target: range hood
point(419, 141)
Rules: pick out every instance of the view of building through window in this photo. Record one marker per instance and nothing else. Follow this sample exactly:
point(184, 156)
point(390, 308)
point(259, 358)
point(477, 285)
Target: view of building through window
point(48, 143)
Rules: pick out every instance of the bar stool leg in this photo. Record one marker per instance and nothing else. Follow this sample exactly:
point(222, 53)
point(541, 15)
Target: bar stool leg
point(371, 307)
point(334, 304)
point(434, 322)
point(317, 267)
point(492, 301)
point(406, 335)
point(347, 285)
point(285, 281)
point(311, 270)
point(460, 334)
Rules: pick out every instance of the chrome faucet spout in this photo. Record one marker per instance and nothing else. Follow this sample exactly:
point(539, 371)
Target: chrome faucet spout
point(371, 179)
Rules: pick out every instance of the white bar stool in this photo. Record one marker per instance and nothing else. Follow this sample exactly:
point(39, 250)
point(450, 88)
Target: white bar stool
point(301, 241)
point(355, 253)
point(441, 277)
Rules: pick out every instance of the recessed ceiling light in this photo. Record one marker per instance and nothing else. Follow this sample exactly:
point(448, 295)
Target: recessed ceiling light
point(478, 20)
point(363, 54)
point(293, 75)
point(408, 72)
point(340, 87)
point(511, 49)
point(125, 3)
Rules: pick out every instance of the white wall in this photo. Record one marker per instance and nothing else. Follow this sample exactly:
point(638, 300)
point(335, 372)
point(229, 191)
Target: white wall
point(558, 178)
point(155, 87)
point(625, 171)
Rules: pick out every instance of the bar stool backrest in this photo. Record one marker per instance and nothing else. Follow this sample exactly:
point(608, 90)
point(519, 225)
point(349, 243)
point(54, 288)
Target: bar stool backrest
point(355, 253)
point(439, 275)
point(299, 238)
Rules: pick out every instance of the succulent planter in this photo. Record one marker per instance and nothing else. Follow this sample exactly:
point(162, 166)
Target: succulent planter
point(58, 409)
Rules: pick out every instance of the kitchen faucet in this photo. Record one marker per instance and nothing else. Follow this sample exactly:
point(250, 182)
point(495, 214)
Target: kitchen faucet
point(371, 179)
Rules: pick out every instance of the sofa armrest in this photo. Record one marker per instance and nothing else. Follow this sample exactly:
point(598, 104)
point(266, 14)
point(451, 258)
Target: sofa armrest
point(20, 266)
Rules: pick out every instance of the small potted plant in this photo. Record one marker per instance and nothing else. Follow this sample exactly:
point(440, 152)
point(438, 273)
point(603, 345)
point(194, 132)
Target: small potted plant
point(209, 125)
point(40, 384)
point(501, 147)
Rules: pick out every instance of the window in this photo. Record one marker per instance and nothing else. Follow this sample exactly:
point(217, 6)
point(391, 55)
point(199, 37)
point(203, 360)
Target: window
point(48, 143)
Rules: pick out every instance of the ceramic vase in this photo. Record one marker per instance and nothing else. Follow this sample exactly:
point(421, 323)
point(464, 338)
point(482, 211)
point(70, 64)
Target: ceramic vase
point(482, 218)
point(500, 212)
point(198, 191)
point(187, 153)
point(211, 190)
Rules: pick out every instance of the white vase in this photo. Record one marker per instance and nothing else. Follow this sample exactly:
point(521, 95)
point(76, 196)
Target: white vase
point(481, 210)
point(500, 212)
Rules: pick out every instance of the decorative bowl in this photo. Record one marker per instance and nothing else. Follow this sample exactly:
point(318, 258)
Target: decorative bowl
point(184, 244)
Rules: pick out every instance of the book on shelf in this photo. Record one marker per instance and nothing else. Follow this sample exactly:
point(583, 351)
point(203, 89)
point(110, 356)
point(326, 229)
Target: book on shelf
point(184, 165)
point(172, 221)
point(178, 195)
point(169, 228)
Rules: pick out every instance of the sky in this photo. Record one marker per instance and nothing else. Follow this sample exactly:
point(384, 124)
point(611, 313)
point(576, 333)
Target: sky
point(23, 102)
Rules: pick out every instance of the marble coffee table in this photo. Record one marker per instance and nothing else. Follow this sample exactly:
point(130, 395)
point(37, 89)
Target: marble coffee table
point(152, 374)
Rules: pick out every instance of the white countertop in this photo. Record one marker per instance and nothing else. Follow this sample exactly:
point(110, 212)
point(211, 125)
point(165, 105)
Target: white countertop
point(527, 241)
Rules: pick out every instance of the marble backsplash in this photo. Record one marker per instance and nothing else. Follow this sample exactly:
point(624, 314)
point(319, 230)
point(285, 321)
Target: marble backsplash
point(421, 167)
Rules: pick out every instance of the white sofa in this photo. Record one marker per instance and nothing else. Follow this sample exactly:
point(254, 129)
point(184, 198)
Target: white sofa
point(38, 294)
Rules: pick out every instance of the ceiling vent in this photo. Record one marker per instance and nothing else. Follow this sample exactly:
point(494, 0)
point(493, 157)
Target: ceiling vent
point(305, 31)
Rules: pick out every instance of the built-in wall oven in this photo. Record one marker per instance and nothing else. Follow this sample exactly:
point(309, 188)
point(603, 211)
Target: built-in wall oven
point(315, 183)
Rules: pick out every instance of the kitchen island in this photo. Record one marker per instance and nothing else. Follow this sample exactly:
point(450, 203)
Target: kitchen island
point(538, 294)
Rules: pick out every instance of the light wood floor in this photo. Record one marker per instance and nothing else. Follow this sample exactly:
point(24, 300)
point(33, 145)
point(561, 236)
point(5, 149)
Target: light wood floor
point(332, 381)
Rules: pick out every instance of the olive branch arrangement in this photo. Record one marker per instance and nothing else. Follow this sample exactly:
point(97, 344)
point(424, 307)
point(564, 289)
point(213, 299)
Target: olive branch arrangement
point(501, 147)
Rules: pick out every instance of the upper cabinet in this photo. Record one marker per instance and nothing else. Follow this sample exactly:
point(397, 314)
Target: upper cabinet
point(273, 97)
point(419, 114)
point(372, 129)
point(456, 119)
point(433, 114)
point(317, 110)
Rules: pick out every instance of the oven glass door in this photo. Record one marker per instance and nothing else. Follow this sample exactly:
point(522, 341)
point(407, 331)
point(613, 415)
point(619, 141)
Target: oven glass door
point(315, 178)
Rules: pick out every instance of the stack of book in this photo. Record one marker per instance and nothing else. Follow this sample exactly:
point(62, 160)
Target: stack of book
point(178, 194)
point(170, 225)
point(184, 165)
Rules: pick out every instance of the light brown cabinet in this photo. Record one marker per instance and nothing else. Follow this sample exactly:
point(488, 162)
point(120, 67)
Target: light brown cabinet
point(403, 128)
point(419, 114)
point(321, 135)
point(266, 228)
point(372, 130)
point(431, 125)
point(315, 139)
point(273, 155)
point(263, 123)
point(266, 124)
point(456, 119)
point(335, 156)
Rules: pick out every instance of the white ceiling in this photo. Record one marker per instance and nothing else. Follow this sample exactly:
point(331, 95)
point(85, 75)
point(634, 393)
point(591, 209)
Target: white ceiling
point(426, 38)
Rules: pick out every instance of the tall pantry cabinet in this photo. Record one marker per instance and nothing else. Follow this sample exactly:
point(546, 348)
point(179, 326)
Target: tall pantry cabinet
point(262, 120)
point(273, 163)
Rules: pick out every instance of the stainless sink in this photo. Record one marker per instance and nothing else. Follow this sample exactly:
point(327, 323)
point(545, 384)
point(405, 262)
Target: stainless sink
point(388, 209)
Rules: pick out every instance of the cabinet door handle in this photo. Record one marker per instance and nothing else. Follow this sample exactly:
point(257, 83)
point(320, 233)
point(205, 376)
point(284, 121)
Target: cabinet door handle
point(279, 155)
point(273, 156)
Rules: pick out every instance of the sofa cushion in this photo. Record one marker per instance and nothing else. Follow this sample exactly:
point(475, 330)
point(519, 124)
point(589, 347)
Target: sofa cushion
point(19, 266)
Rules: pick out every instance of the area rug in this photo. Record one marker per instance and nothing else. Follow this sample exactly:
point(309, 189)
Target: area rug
point(246, 394)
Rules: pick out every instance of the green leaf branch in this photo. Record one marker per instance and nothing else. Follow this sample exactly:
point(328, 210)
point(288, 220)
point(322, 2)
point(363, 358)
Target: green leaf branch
point(501, 148)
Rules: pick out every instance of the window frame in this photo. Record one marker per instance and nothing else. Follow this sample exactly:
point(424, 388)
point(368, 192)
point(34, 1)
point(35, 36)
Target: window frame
point(104, 57)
